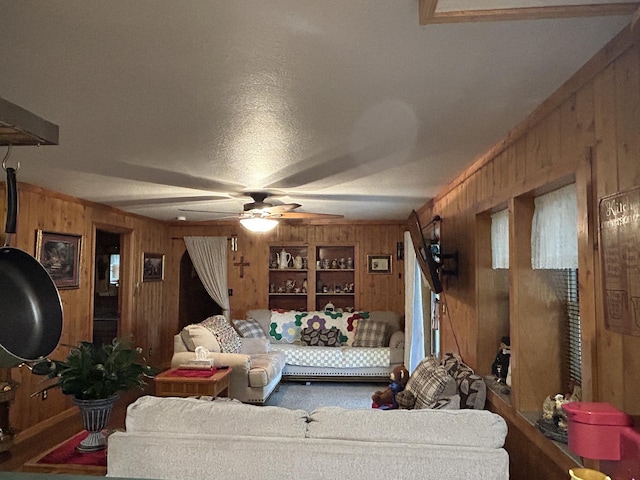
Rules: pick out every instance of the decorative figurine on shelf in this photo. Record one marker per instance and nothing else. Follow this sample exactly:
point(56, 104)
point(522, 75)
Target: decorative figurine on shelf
point(305, 285)
point(553, 421)
point(500, 366)
point(386, 399)
point(329, 307)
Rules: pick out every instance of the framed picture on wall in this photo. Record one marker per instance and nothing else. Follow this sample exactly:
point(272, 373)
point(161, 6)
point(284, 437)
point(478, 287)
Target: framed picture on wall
point(152, 267)
point(59, 254)
point(379, 263)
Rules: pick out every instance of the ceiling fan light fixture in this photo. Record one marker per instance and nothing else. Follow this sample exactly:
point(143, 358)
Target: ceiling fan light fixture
point(259, 224)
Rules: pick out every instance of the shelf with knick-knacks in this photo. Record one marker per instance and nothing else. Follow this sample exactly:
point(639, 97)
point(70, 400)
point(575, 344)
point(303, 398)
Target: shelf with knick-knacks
point(335, 276)
point(288, 274)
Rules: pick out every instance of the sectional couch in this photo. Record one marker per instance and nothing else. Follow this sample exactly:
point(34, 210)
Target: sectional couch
point(353, 357)
point(177, 438)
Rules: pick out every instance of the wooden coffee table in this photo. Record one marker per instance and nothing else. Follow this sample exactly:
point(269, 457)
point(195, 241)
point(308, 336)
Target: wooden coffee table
point(178, 382)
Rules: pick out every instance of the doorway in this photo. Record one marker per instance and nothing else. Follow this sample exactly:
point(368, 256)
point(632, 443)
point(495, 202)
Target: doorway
point(106, 305)
point(195, 303)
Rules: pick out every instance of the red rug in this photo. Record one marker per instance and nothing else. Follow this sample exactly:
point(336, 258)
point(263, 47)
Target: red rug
point(66, 454)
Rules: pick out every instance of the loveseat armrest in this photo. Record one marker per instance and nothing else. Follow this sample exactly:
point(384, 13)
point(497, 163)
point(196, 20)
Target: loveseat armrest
point(255, 345)
point(397, 339)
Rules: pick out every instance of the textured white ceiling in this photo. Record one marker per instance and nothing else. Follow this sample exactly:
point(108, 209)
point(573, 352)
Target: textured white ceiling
point(347, 107)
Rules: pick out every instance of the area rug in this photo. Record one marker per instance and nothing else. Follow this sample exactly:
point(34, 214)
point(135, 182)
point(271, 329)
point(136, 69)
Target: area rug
point(311, 395)
point(66, 454)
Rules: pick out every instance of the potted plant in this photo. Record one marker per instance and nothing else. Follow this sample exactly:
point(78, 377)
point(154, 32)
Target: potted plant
point(94, 375)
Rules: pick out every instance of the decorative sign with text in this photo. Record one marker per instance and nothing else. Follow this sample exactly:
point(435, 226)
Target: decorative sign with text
point(619, 219)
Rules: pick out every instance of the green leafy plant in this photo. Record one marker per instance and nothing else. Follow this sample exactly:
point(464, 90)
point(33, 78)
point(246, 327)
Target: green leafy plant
point(94, 372)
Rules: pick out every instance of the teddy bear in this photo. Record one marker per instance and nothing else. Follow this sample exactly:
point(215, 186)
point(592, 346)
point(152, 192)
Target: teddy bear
point(386, 398)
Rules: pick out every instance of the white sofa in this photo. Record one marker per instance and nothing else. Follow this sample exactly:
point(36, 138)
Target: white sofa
point(178, 438)
point(336, 363)
point(256, 371)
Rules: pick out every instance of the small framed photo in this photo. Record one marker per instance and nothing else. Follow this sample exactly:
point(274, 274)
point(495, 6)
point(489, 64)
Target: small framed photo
point(378, 263)
point(59, 254)
point(153, 267)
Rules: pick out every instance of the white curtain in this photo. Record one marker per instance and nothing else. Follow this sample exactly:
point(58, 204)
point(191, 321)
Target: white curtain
point(554, 231)
point(413, 314)
point(500, 239)
point(209, 257)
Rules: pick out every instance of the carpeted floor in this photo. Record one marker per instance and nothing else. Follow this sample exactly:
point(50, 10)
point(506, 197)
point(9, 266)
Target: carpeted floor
point(299, 395)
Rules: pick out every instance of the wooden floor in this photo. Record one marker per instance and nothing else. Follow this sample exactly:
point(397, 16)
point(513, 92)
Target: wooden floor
point(25, 450)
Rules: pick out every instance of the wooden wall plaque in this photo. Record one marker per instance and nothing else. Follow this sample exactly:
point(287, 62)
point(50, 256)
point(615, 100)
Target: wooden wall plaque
point(619, 222)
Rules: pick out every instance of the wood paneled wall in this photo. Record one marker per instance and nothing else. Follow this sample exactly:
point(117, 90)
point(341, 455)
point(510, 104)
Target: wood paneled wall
point(374, 292)
point(149, 310)
point(143, 311)
point(588, 132)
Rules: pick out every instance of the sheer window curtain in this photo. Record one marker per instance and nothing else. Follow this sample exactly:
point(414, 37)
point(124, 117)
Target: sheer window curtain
point(413, 308)
point(554, 233)
point(500, 239)
point(209, 257)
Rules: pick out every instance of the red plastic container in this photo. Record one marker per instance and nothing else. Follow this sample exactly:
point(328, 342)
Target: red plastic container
point(594, 429)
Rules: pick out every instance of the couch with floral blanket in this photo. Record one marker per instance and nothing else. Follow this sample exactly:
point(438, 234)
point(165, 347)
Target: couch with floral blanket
point(364, 346)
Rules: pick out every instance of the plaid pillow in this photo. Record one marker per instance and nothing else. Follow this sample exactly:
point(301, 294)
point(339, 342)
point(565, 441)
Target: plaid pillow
point(321, 337)
point(370, 333)
point(227, 337)
point(249, 328)
point(426, 385)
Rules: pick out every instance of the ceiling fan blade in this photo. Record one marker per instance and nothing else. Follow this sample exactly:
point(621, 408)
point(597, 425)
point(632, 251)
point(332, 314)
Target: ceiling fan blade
point(284, 208)
point(297, 215)
point(212, 212)
point(166, 201)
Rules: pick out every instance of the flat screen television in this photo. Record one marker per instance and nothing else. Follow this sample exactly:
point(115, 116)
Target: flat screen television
point(424, 254)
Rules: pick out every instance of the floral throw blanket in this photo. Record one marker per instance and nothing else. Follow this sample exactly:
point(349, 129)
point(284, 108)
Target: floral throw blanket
point(286, 327)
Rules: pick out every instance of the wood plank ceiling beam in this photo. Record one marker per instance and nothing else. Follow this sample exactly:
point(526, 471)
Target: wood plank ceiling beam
point(429, 15)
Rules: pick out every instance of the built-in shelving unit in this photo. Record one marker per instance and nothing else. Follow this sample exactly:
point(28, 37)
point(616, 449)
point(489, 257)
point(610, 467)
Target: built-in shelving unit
point(335, 276)
point(308, 277)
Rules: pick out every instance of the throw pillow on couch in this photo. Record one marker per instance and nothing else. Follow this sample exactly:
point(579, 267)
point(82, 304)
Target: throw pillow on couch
point(249, 328)
point(428, 385)
point(320, 337)
point(215, 334)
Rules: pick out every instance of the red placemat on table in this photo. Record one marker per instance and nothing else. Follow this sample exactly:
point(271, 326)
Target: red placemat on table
point(193, 373)
point(66, 454)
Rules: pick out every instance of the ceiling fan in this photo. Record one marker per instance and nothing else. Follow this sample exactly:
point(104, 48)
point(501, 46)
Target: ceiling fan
point(262, 216)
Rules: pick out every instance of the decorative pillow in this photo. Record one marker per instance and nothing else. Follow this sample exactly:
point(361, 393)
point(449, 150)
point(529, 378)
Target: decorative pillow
point(446, 403)
point(321, 337)
point(249, 328)
point(197, 335)
point(427, 384)
point(471, 387)
point(370, 334)
point(327, 320)
point(352, 320)
point(227, 337)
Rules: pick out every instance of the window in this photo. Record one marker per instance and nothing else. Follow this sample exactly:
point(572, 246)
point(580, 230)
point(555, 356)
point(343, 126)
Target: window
point(114, 269)
point(500, 239)
point(554, 246)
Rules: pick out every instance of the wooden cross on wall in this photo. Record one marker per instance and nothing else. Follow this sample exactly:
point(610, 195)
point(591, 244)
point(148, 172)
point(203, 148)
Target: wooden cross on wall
point(241, 264)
